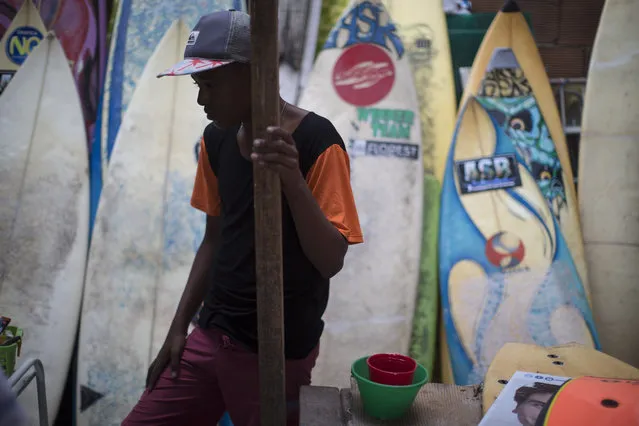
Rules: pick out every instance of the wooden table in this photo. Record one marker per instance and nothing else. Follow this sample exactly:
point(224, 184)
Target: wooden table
point(435, 405)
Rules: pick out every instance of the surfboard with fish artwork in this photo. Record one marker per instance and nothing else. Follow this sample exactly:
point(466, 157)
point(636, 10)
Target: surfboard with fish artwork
point(510, 84)
point(506, 272)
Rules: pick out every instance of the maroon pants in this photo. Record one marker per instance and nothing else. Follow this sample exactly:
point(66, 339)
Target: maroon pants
point(216, 375)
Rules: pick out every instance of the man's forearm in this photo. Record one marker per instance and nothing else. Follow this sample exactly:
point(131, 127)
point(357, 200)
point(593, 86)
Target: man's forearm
point(322, 243)
point(195, 289)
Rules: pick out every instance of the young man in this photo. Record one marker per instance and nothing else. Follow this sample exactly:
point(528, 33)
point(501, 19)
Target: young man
point(195, 379)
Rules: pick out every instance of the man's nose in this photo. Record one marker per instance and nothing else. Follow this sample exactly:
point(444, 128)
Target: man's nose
point(201, 98)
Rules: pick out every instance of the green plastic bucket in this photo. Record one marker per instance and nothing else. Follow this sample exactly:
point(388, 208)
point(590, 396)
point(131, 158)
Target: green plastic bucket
point(9, 354)
point(386, 402)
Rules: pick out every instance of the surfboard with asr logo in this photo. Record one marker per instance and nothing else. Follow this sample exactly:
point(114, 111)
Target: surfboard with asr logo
point(511, 86)
point(144, 239)
point(22, 36)
point(506, 272)
point(362, 82)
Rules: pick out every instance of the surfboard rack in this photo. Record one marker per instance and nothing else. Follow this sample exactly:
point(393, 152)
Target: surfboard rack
point(23, 376)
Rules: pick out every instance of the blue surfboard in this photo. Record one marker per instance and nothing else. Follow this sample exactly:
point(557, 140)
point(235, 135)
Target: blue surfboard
point(506, 273)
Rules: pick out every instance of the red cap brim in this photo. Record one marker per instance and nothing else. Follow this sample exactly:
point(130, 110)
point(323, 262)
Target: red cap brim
point(192, 66)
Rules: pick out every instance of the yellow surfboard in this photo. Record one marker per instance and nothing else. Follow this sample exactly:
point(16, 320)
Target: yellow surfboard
point(23, 35)
point(331, 11)
point(505, 270)
point(609, 178)
point(422, 26)
point(510, 83)
point(509, 30)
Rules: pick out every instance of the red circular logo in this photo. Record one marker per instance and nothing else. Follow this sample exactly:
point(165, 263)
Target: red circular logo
point(363, 75)
point(505, 250)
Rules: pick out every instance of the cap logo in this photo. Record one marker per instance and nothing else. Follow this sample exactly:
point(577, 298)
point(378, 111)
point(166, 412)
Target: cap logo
point(192, 38)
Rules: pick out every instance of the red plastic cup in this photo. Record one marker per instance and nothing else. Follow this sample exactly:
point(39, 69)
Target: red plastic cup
point(391, 369)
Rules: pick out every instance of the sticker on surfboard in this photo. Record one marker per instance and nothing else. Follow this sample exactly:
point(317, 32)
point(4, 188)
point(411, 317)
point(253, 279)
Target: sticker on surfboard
point(488, 173)
point(505, 250)
point(365, 73)
point(384, 132)
point(21, 42)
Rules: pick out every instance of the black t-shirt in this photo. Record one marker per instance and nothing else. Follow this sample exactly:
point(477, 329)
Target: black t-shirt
point(224, 187)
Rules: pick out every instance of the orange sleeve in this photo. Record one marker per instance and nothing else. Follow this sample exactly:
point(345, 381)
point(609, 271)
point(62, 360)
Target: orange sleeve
point(205, 195)
point(330, 183)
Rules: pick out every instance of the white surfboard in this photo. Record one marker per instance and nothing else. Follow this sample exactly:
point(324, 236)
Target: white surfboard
point(22, 36)
point(609, 179)
point(44, 213)
point(144, 239)
point(362, 82)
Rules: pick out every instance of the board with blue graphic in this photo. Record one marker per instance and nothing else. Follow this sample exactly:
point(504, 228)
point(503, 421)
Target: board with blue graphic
point(138, 28)
point(144, 240)
point(508, 96)
point(506, 273)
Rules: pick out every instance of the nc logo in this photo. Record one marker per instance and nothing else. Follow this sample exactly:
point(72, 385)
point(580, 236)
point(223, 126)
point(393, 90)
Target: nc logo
point(21, 42)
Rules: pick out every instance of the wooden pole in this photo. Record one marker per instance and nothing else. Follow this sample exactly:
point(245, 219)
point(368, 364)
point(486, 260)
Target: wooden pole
point(268, 215)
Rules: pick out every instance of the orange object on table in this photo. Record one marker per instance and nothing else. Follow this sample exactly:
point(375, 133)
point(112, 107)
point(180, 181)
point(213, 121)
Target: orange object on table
point(593, 401)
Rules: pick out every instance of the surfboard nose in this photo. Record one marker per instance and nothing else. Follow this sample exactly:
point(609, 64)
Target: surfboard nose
point(510, 7)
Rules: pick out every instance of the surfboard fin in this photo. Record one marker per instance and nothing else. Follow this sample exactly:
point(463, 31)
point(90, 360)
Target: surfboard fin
point(88, 397)
point(510, 7)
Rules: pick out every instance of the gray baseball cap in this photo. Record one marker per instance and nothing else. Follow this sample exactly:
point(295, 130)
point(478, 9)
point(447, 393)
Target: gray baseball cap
point(218, 38)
